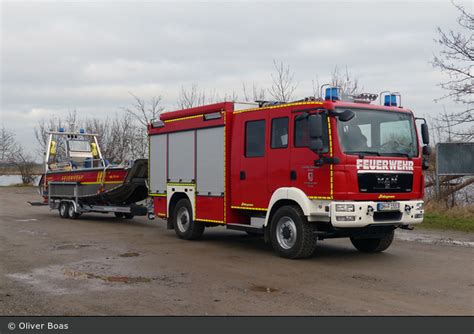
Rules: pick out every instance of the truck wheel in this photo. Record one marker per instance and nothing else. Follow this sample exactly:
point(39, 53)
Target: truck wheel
point(291, 235)
point(184, 225)
point(71, 212)
point(118, 214)
point(63, 209)
point(373, 245)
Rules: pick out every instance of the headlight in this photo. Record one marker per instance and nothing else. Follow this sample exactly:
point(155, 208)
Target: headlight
point(419, 206)
point(345, 208)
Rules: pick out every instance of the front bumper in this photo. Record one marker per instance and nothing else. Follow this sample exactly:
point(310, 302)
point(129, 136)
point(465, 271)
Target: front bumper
point(365, 213)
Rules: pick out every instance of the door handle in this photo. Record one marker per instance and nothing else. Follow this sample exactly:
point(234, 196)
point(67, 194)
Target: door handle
point(242, 175)
point(293, 175)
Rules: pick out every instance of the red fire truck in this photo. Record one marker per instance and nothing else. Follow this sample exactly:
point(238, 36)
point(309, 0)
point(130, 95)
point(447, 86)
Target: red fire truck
point(294, 172)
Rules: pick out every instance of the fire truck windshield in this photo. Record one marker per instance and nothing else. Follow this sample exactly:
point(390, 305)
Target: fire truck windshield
point(377, 132)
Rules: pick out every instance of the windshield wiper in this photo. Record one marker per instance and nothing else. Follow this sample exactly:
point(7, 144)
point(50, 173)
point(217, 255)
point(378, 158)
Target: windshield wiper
point(362, 153)
point(400, 154)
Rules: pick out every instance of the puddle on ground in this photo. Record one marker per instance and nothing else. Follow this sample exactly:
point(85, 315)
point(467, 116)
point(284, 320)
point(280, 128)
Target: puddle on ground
point(112, 279)
point(130, 254)
point(33, 232)
point(261, 288)
point(70, 246)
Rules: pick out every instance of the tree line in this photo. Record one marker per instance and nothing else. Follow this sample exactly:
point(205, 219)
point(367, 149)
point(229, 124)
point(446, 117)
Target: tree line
point(123, 136)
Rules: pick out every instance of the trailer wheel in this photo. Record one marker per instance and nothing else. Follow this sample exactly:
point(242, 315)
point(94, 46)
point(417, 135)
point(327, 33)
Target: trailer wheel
point(72, 212)
point(118, 214)
point(63, 209)
point(373, 245)
point(184, 225)
point(291, 234)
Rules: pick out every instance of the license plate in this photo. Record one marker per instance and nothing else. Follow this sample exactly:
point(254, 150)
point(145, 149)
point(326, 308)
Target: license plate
point(388, 206)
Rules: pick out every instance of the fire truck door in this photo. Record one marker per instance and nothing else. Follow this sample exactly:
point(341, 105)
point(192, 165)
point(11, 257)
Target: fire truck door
point(314, 180)
point(252, 173)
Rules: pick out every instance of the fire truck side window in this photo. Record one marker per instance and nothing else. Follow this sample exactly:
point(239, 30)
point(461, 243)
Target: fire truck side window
point(302, 134)
point(255, 138)
point(279, 132)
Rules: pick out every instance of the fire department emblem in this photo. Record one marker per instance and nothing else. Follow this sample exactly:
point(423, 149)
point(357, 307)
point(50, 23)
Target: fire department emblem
point(310, 176)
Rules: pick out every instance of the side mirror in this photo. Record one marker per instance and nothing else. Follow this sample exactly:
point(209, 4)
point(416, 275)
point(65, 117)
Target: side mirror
point(425, 165)
point(316, 133)
point(346, 115)
point(424, 134)
point(426, 150)
point(315, 126)
point(316, 145)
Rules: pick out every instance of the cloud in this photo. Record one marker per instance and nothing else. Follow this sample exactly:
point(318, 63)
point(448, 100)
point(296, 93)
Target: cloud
point(88, 56)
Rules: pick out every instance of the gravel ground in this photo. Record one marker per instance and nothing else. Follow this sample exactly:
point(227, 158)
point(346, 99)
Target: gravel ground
point(101, 265)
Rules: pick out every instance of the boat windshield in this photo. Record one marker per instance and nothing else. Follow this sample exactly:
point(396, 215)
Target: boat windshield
point(79, 146)
point(377, 132)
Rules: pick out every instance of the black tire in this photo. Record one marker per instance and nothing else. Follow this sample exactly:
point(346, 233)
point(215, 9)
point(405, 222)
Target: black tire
point(285, 222)
point(128, 215)
point(71, 212)
point(184, 224)
point(118, 214)
point(63, 210)
point(373, 245)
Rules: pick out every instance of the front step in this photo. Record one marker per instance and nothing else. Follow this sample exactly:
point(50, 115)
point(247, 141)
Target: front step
point(245, 227)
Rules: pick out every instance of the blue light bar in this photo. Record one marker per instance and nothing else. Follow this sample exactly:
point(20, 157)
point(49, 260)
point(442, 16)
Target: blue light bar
point(82, 131)
point(332, 93)
point(390, 100)
point(61, 129)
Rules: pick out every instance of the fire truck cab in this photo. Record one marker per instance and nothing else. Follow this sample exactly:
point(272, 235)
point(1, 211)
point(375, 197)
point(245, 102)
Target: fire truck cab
point(294, 172)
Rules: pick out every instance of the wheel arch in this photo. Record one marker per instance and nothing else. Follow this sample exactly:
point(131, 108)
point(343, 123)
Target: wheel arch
point(174, 199)
point(288, 195)
point(283, 197)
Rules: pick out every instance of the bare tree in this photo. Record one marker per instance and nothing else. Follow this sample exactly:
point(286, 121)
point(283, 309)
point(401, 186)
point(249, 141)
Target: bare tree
point(456, 60)
point(121, 137)
point(283, 85)
point(453, 188)
point(8, 145)
point(348, 83)
point(191, 97)
point(25, 165)
point(12, 153)
point(254, 94)
point(53, 123)
point(144, 112)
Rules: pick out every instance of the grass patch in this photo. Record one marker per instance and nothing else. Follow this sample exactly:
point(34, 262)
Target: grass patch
point(447, 221)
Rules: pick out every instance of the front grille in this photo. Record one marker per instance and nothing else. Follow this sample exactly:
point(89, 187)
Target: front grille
point(385, 182)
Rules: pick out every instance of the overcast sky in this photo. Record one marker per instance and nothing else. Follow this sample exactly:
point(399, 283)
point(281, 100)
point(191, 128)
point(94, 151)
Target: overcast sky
point(88, 56)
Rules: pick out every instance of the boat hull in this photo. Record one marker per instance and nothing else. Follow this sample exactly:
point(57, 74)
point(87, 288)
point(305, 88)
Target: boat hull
point(114, 185)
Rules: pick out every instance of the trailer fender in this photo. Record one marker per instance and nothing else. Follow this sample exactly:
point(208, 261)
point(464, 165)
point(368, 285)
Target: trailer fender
point(315, 210)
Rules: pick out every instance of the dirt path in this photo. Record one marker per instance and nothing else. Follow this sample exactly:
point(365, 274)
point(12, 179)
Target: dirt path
point(104, 266)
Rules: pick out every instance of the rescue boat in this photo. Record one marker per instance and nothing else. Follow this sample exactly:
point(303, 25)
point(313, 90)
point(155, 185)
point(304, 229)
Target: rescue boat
point(75, 170)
